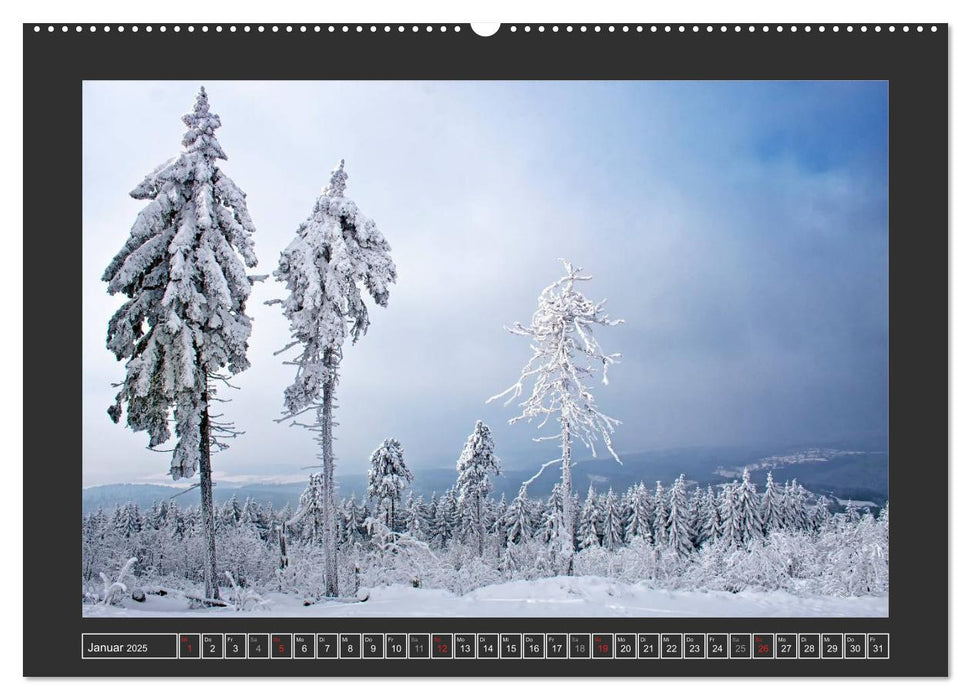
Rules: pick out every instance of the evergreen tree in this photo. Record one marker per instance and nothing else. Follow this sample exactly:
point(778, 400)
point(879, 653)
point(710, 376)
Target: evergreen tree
point(589, 529)
point(565, 355)
point(794, 506)
point(519, 518)
point(710, 522)
point(819, 514)
point(415, 523)
point(771, 506)
point(127, 521)
point(477, 461)
point(660, 515)
point(362, 511)
point(387, 478)
point(157, 516)
point(346, 521)
point(259, 518)
point(446, 518)
point(748, 508)
point(551, 527)
point(612, 531)
point(310, 510)
point(641, 517)
point(730, 516)
point(431, 518)
point(185, 320)
point(232, 512)
point(696, 507)
point(337, 253)
point(679, 535)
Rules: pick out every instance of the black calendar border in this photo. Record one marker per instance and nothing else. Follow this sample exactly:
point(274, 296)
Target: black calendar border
point(916, 66)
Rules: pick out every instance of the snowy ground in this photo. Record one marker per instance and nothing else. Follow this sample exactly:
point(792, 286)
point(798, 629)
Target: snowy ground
point(583, 596)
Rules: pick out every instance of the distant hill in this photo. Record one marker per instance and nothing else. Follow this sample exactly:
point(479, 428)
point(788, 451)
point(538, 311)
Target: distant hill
point(838, 471)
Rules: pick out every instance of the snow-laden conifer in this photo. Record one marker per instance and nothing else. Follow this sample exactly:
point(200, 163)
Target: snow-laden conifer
point(696, 506)
point(612, 526)
point(551, 526)
point(771, 506)
point(232, 511)
point(709, 517)
point(679, 534)
point(446, 522)
point(387, 479)
point(565, 357)
point(748, 508)
point(337, 254)
point(591, 521)
point(519, 518)
point(310, 511)
point(731, 531)
point(661, 509)
point(416, 524)
point(794, 498)
point(183, 269)
point(495, 519)
point(641, 517)
point(477, 461)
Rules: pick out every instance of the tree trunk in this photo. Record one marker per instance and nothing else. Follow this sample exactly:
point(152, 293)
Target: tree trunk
point(567, 546)
point(284, 559)
point(479, 525)
point(208, 518)
point(327, 459)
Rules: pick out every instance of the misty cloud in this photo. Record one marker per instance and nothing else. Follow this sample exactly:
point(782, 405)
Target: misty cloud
point(739, 228)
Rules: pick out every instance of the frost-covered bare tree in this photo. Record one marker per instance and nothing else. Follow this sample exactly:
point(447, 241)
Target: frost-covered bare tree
point(184, 324)
point(477, 461)
point(565, 357)
point(337, 253)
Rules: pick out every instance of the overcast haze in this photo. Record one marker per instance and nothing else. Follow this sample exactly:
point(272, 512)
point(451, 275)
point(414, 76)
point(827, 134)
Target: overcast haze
point(740, 228)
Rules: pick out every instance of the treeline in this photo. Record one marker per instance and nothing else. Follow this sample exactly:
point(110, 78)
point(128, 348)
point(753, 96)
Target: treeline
point(726, 537)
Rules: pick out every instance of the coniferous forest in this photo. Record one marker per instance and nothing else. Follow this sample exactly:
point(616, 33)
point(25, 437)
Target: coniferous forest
point(731, 538)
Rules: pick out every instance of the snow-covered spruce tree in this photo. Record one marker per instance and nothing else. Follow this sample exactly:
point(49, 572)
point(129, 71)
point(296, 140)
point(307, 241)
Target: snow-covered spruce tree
point(310, 511)
point(387, 479)
point(612, 522)
point(591, 521)
point(477, 461)
point(337, 252)
point(232, 512)
point(565, 356)
point(551, 525)
point(519, 518)
point(710, 523)
point(416, 524)
point(447, 518)
point(729, 515)
point(748, 508)
point(184, 324)
point(661, 510)
point(696, 507)
point(641, 514)
point(794, 506)
point(819, 514)
point(680, 536)
point(771, 506)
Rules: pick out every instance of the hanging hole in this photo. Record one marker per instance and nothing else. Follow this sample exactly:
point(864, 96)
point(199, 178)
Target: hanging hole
point(485, 28)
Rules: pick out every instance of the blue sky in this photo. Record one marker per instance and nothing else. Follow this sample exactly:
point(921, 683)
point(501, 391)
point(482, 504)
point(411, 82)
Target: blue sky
point(740, 228)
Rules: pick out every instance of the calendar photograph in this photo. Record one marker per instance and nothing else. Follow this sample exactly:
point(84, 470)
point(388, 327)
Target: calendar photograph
point(485, 349)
